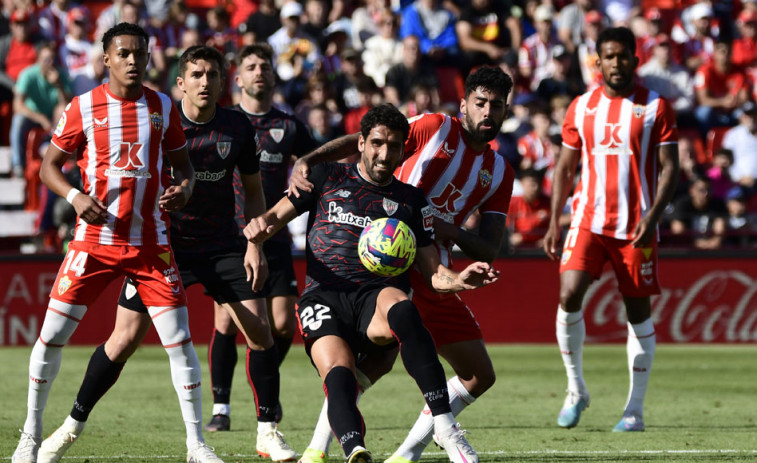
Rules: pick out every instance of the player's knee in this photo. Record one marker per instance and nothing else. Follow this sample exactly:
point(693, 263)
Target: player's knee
point(403, 316)
point(60, 322)
point(570, 299)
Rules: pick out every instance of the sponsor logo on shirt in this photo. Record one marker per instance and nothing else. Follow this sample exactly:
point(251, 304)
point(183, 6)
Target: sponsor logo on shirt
point(342, 193)
point(223, 148)
point(428, 217)
point(612, 143)
point(207, 176)
point(61, 125)
point(101, 123)
point(128, 164)
point(273, 158)
point(337, 215)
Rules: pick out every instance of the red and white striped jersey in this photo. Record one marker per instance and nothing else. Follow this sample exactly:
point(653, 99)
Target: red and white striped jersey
point(121, 145)
point(618, 139)
point(455, 179)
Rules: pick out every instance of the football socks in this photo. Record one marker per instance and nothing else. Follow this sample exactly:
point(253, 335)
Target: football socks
point(346, 421)
point(263, 376)
point(101, 375)
point(571, 332)
point(222, 356)
point(640, 348)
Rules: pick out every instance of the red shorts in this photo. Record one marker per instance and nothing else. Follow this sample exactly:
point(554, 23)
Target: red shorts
point(635, 268)
point(445, 316)
point(88, 268)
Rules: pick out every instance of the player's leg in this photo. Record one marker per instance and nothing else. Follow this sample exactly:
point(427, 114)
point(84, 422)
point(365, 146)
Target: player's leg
point(222, 359)
point(281, 314)
point(76, 286)
point(397, 318)
point(105, 366)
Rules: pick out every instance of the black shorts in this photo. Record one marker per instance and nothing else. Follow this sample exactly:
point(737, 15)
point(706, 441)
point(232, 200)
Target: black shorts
point(338, 313)
point(281, 280)
point(222, 275)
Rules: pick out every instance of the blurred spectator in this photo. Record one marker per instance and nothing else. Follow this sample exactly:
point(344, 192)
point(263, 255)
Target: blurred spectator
point(337, 40)
point(264, 22)
point(115, 14)
point(295, 52)
point(315, 20)
point(696, 49)
point(527, 18)
point(319, 121)
point(720, 179)
point(619, 12)
point(367, 22)
point(486, 31)
point(383, 50)
point(687, 160)
point(219, 34)
point(189, 38)
point(698, 218)
point(52, 20)
point(559, 83)
point(40, 94)
point(345, 83)
point(535, 55)
point(74, 53)
point(17, 52)
point(559, 105)
point(745, 47)
point(571, 22)
point(646, 43)
point(586, 51)
point(536, 148)
point(741, 229)
point(435, 28)
point(318, 92)
point(669, 79)
point(528, 217)
point(720, 89)
point(367, 93)
point(413, 70)
point(421, 101)
point(742, 141)
point(684, 25)
point(180, 19)
point(92, 75)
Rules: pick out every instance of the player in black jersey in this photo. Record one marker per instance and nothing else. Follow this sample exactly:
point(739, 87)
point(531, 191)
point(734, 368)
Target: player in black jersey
point(280, 139)
point(208, 246)
point(345, 310)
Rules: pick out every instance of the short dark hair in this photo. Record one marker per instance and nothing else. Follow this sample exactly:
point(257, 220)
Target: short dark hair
point(489, 78)
point(123, 29)
point(198, 52)
point(387, 115)
point(260, 49)
point(622, 35)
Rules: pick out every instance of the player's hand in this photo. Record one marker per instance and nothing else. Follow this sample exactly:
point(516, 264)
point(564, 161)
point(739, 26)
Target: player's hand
point(174, 198)
point(258, 230)
point(91, 210)
point(643, 234)
point(299, 178)
point(256, 266)
point(478, 274)
point(551, 240)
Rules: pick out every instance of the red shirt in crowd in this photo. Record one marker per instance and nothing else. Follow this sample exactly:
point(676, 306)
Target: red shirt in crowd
point(20, 55)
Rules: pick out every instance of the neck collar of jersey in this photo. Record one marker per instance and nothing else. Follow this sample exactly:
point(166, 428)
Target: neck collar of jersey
point(121, 98)
point(241, 106)
point(362, 176)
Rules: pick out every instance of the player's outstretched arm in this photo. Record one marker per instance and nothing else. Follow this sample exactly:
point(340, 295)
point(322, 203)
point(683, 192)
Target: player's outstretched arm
point(331, 151)
point(561, 187)
point(666, 187)
point(90, 209)
point(444, 280)
point(255, 263)
point(485, 245)
point(264, 226)
point(177, 195)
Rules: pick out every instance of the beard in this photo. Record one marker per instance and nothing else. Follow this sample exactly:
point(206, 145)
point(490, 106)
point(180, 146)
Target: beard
point(258, 93)
point(621, 85)
point(479, 133)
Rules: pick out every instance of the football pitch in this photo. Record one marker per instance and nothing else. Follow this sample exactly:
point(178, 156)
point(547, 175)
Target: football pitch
point(701, 406)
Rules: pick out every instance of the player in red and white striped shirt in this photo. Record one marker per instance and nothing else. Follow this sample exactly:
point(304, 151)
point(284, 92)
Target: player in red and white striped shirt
point(451, 161)
point(121, 132)
point(626, 139)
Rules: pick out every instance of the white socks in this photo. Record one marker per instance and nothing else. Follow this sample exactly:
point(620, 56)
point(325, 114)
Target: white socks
point(640, 347)
point(571, 333)
point(60, 323)
point(172, 325)
point(222, 409)
point(422, 431)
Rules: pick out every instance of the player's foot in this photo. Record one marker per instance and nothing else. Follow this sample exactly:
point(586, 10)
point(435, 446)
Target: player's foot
point(629, 424)
point(313, 456)
point(271, 444)
point(360, 455)
point(53, 448)
point(457, 447)
point(218, 423)
point(200, 452)
point(26, 451)
point(574, 404)
point(398, 459)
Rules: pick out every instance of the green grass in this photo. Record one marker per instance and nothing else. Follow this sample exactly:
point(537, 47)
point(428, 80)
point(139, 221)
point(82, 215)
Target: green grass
point(701, 406)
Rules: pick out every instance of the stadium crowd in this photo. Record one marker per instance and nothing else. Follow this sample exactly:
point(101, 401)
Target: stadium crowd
point(335, 59)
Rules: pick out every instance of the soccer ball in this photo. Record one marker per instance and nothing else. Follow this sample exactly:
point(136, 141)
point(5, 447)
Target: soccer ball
point(387, 247)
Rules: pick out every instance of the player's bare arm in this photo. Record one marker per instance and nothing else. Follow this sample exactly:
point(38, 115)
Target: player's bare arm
point(264, 226)
point(483, 246)
point(177, 195)
point(255, 263)
point(669, 168)
point(90, 209)
point(445, 280)
point(331, 151)
point(562, 185)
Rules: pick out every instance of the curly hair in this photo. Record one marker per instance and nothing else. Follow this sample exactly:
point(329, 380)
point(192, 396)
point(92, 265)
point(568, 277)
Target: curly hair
point(387, 115)
point(489, 78)
point(123, 29)
point(622, 35)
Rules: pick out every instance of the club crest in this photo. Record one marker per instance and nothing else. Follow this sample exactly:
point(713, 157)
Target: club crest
point(638, 110)
point(63, 285)
point(156, 120)
point(485, 177)
point(223, 148)
point(390, 206)
point(276, 134)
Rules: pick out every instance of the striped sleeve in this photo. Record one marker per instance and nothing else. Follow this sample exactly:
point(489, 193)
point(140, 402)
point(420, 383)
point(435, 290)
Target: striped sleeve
point(69, 133)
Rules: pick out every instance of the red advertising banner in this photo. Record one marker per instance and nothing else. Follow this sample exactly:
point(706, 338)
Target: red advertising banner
point(703, 300)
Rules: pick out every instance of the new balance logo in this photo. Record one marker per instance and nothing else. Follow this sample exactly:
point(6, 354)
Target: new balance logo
point(342, 193)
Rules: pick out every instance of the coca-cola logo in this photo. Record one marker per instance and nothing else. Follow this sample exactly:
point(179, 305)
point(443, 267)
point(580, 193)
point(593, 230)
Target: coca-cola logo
point(717, 306)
